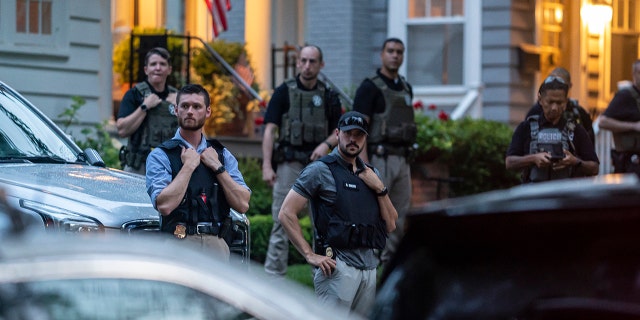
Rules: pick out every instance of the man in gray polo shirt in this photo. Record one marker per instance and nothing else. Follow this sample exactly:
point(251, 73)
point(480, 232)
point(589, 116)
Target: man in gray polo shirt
point(352, 216)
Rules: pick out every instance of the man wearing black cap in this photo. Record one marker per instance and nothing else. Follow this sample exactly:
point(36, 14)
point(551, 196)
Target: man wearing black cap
point(352, 216)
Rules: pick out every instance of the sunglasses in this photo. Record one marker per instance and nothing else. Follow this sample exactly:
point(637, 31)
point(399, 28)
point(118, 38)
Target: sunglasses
point(549, 84)
point(353, 120)
point(551, 79)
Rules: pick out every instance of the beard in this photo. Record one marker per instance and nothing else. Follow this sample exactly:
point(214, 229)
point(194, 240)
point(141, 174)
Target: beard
point(347, 150)
point(191, 125)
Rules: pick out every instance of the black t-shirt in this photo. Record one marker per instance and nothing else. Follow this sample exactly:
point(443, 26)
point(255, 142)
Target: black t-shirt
point(133, 99)
point(521, 140)
point(623, 106)
point(369, 98)
point(279, 105)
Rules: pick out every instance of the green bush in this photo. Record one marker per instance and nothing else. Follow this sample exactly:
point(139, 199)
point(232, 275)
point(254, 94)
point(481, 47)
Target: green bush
point(97, 137)
point(261, 230)
point(478, 154)
point(261, 193)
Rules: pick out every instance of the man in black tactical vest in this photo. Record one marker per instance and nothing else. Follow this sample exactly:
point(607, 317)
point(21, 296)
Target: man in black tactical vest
point(573, 112)
point(386, 100)
point(352, 215)
point(548, 146)
point(192, 181)
point(299, 124)
point(622, 118)
point(146, 112)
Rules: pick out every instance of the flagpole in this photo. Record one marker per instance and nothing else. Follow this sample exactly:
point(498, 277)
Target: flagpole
point(229, 69)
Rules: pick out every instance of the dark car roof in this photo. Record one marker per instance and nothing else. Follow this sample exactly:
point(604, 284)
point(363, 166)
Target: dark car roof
point(547, 247)
point(600, 191)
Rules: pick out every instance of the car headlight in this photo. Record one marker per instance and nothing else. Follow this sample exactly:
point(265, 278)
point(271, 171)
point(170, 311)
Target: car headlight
point(58, 219)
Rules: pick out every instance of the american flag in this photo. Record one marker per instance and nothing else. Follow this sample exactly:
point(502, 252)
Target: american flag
point(218, 10)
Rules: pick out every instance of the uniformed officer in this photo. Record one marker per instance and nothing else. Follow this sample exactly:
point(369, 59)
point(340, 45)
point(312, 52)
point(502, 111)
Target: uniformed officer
point(146, 115)
point(192, 181)
point(352, 215)
point(385, 99)
point(548, 146)
point(300, 119)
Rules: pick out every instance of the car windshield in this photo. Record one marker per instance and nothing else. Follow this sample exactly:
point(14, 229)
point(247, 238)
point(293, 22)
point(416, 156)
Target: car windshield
point(25, 136)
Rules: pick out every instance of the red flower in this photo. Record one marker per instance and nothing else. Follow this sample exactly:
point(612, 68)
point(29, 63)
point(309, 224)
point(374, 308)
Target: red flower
point(443, 116)
point(432, 107)
point(263, 103)
point(259, 121)
point(418, 105)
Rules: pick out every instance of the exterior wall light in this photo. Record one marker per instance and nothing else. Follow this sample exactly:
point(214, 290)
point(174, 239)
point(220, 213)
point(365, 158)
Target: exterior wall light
point(596, 16)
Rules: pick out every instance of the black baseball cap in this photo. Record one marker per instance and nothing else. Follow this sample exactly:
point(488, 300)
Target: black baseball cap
point(353, 120)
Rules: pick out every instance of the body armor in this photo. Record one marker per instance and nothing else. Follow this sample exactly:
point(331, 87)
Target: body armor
point(353, 221)
point(160, 125)
point(204, 200)
point(396, 125)
point(304, 125)
point(554, 141)
point(628, 141)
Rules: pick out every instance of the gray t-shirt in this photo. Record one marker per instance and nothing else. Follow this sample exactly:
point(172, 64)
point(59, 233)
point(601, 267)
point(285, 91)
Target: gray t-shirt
point(317, 183)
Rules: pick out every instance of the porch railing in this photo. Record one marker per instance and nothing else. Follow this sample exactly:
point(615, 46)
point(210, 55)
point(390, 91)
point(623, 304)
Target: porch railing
point(604, 143)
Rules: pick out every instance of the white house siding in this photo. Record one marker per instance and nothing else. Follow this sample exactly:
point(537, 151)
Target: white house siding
point(78, 64)
point(350, 33)
point(508, 91)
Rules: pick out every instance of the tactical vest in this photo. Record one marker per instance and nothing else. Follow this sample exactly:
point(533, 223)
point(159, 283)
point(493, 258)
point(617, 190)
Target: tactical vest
point(628, 141)
point(396, 125)
point(550, 140)
point(204, 200)
point(159, 125)
point(306, 122)
point(571, 113)
point(353, 221)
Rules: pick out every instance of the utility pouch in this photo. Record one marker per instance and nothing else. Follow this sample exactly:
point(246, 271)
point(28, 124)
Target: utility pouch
point(122, 155)
point(296, 133)
point(225, 230)
point(625, 162)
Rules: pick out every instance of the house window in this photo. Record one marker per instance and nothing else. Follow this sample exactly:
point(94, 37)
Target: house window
point(33, 17)
point(435, 42)
point(625, 36)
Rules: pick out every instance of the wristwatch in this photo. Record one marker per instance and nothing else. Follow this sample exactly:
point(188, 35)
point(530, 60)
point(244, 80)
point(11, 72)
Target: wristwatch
point(220, 170)
point(383, 192)
point(143, 107)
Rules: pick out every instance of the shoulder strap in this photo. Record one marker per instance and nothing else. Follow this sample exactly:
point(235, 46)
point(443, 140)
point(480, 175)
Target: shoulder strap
point(634, 94)
point(534, 125)
point(330, 158)
point(219, 147)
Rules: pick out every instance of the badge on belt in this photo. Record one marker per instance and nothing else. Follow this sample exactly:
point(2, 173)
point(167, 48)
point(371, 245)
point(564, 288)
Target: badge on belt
point(328, 252)
point(180, 232)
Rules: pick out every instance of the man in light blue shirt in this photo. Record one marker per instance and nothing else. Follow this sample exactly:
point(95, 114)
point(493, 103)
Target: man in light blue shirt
point(194, 188)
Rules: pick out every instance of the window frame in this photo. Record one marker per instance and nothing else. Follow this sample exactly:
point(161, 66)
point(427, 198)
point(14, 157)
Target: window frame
point(55, 44)
point(451, 94)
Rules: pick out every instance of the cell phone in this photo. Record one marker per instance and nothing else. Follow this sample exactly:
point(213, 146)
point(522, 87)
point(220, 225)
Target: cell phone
point(556, 157)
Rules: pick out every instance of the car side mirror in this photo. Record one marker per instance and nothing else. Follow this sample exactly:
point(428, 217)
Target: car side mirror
point(93, 157)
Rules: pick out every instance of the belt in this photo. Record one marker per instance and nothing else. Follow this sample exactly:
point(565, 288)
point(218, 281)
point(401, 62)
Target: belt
point(207, 228)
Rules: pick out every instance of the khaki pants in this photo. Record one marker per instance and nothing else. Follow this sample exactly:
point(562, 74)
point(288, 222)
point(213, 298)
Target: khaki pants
point(207, 243)
point(278, 251)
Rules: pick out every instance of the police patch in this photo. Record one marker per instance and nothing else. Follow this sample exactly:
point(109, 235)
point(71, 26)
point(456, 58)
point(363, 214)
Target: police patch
point(317, 100)
point(407, 99)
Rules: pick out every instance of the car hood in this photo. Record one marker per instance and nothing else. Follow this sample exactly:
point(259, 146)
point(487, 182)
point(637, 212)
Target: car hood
point(109, 195)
